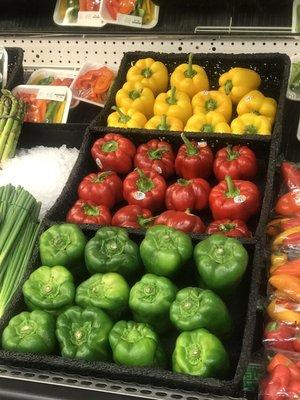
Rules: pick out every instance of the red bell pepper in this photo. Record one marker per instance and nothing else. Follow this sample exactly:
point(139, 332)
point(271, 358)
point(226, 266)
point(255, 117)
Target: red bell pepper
point(103, 188)
point(114, 152)
point(188, 194)
point(145, 188)
point(234, 199)
point(293, 390)
point(194, 160)
point(239, 162)
point(277, 384)
point(279, 335)
point(288, 205)
point(157, 156)
point(84, 212)
point(231, 228)
point(296, 343)
point(183, 221)
point(291, 175)
point(133, 216)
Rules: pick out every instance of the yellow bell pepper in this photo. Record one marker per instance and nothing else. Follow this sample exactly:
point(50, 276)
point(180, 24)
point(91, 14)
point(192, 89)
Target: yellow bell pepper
point(126, 119)
point(212, 122)
point(134, 95)
point(173, 104)
point(206, 101)
point(164, 123)
point(60, 112)
point(151, 74)
point(255, 102)
point(237, 82)
point(251, 124)
point(190, 78)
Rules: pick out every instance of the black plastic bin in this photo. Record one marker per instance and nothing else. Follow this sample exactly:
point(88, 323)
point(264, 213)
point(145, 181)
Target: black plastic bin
point(242, 308)
point(273, 69)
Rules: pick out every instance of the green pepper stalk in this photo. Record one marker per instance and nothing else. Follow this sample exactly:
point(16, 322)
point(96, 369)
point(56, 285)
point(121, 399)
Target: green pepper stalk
point(83, 333)
point(123, 118)
point(163, 126)
point(190, 72)
point(172, 99)
point(200, 353)
point(135, 344)
point(30, 333)
point(150, 300)
point(196, 308)
point(191, 149)
point(109, 291)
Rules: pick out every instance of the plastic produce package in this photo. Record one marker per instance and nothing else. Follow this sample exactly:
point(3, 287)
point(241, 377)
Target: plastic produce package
point(78, 13)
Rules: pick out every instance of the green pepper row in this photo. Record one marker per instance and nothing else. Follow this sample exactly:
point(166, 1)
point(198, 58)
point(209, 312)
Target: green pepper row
point(87, 330)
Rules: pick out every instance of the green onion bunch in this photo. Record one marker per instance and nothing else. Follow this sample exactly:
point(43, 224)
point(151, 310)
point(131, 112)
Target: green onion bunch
point(19, 226)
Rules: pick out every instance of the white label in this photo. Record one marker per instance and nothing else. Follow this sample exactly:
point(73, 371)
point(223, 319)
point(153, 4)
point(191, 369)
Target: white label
point(159, 170)
point(89, 18)
point(239, 199)
point(139, 195)
point(129, 20)
point(56, 93)
point(99, 163)
point(202, 144)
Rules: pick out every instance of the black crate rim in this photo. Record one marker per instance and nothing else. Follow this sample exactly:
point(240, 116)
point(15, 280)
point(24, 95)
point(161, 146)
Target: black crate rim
point(15, 67)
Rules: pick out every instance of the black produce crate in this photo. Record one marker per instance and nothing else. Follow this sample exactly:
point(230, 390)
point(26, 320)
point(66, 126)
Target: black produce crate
point(86, 165)
point(51, 135)
point(15, 73)
point(242, 307)
point(260, 4)
point(273, 69)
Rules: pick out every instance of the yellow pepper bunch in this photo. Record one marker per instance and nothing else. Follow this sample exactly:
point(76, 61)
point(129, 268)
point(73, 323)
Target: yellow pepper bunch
point(145, 101)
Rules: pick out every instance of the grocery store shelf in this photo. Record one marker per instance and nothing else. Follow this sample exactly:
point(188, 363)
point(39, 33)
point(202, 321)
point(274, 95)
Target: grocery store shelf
point(16, 383)
point(173, 20)
point(72, 52)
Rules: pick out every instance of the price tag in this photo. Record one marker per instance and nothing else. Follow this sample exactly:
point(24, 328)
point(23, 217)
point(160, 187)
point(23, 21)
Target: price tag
point(99, 163)
point(239, 199)
point(202, 144)
point(139, 195)
point(55, 93)
point(129, 20)
point(90, 18)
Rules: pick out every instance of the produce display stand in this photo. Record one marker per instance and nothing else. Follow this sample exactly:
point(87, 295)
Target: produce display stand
point(200, 29)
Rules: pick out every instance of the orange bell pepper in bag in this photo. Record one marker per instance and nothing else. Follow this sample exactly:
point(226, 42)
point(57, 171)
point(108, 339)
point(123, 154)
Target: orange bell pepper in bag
point(290, 237)
point(284, 310)
point(291, 268)
point(288, 285)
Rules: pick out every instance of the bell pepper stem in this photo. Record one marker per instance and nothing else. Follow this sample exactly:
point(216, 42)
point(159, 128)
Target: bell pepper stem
point(135, 94)
point(110, 146)
point(232, 190)
point(226, 227)
point(228, 87)
point(156, 154)
point(231, 155)
point(183, 182)
point(145, 222)
point(88, 209)
point(123, 118)
point(163, 126)
point(190, 148)
point(211, 105)
point(144, 184)
point(190, 72)
point(172, 99)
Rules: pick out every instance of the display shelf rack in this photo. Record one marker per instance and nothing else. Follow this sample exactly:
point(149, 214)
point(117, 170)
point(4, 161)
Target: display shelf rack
point(173, 19)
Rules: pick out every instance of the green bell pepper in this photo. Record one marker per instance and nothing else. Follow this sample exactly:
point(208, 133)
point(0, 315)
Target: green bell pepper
point(199, 308)
point(200, 353)
point(50, 289)
point(109, 291)
point(111, 250)
point(63, 245)
point(221, 262)
point(30, 332)
point(83, 333)
point(165, 250)
point(150, 300)
point(135, 344)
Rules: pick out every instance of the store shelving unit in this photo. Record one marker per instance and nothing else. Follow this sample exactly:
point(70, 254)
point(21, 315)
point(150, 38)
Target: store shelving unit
point(224, 30)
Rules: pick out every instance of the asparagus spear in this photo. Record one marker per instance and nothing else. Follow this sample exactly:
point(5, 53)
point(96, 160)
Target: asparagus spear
point(12, 140)
point(6, 106)
point(9, 122)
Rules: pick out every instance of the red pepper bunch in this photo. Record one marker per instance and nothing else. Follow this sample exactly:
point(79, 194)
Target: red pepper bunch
point(283, 380)
point(148, 185)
